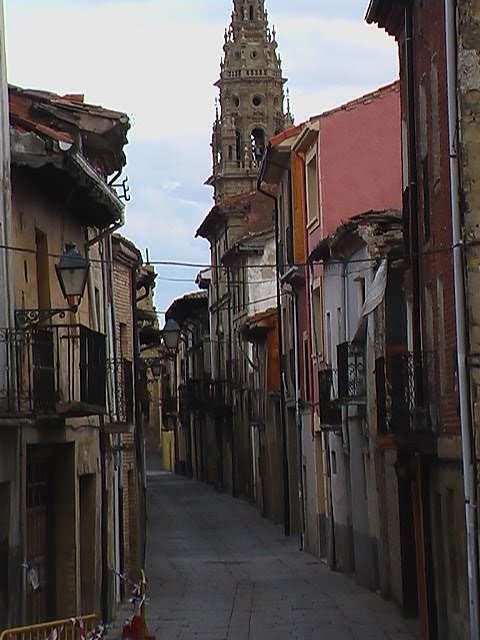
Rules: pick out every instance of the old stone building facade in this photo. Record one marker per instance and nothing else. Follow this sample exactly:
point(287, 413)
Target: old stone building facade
point(439, 71)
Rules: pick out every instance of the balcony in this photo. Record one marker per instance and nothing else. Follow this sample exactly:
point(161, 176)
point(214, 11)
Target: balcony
point(220, 396)
point(47, 371)
point(330, 412)
point(404, 383)
point(256, 408)
point(351, 387)
point(197, 391)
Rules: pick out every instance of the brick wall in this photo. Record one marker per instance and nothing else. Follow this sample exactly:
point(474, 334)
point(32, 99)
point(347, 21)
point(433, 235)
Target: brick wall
point(123, 279)
point(434, 210)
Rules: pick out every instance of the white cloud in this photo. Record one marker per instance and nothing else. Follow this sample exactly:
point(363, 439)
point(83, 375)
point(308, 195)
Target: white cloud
point(144, 58)
point(170, 185)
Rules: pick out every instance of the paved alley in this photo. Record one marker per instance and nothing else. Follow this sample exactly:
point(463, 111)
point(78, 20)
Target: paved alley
point(218, 570)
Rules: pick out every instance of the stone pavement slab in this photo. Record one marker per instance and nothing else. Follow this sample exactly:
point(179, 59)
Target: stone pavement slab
point(217, 570)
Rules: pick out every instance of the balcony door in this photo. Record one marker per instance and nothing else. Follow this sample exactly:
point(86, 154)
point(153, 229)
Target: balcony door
point(43, 370)
point(42, 339)
point(43, 270)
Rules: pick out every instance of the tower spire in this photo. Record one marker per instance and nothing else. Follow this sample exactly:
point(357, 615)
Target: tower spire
point(251, 99)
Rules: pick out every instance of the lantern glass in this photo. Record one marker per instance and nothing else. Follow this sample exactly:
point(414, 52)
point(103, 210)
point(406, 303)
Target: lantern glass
point(171, 334)
point(72, 272)
point(156, 369)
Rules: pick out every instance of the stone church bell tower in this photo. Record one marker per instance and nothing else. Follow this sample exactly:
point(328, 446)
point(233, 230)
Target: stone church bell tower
point(251, 101)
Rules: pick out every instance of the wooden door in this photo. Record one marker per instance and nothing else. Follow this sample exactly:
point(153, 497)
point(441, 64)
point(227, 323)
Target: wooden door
point(38, 542)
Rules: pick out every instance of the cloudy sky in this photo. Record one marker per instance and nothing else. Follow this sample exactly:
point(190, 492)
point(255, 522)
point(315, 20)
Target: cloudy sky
point(157, 61)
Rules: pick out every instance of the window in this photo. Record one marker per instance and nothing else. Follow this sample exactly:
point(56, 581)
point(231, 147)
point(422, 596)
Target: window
point(405, 166)
point(441, 335)
point(306, 367)
point(317, 329)
point(258, 144)
point(424, 156)
point(124, 350)
point(43, 273)
point(429, 355)
point(239, 145)
point(405, 190)
point(244, 283)
point(426, 198)
point(97, 303)
point(422, 97)
point(340, 336)
point(360, 282)
point(410, 324)
point(328, 341)
point(233, 289)
point(334, 463)
point(435, 124)
point(312, 188)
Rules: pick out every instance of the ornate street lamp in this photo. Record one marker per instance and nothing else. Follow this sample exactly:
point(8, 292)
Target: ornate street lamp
point(155, 366)
point(171, 335)
point(72, 272)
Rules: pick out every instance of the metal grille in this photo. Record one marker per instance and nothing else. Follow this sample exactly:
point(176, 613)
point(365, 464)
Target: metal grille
point(60, 369)
point(351, 372)
point(67, 629)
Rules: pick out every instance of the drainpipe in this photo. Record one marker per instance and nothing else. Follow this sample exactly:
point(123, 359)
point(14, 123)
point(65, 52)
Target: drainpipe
point(325, 436)
point(103, 439)
point(16, 575)
point(139, 427)
point(467, 431)
point(413, 208)
point(118, 455)
point(298, 422)
point(283, 421)
point(343, 338)
point(235, 444)
point(6, 266)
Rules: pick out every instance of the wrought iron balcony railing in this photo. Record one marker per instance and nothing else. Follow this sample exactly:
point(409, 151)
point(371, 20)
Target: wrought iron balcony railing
point(405, 391)
point(220, 396)
point(198, 393)
point(122, 371)
point(351, 373)
point(52, 370)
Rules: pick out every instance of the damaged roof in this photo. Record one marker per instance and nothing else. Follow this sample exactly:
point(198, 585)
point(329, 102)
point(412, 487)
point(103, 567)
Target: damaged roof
point(70, 148)
point(381, 231)
point(99, 134)
point(254, 207)
point(387, 14)
point(188, 306)
point(250, 243)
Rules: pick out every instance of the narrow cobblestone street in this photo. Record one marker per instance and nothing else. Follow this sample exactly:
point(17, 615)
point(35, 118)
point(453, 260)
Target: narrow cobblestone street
point(218, 570)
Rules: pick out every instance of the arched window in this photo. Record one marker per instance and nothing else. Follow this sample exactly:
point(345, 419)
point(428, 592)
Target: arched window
point(230, 152)
point(239, 145)
point(251, 12)
point(258, 144)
